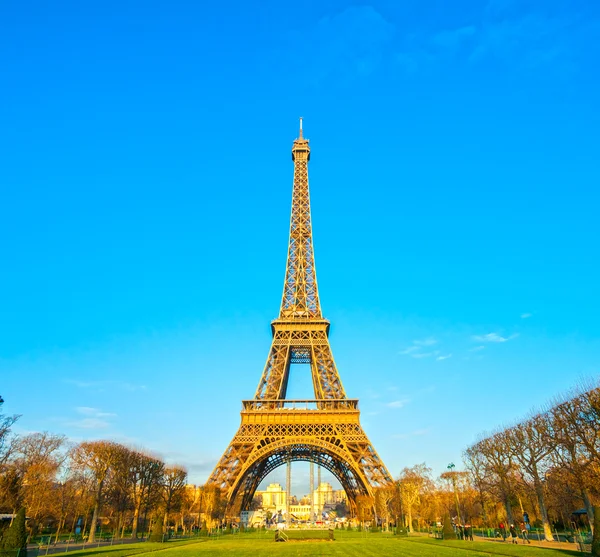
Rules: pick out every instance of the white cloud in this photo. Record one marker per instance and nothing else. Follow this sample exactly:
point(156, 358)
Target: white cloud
point(425, 354)
point(476, 348)
point(94, 412)
point(440, 358)
point(414, 351)
point(493, 337)
point(398, 403)
point(89, 423)
point(93, 418)
point(103, 385)
point(425, 342)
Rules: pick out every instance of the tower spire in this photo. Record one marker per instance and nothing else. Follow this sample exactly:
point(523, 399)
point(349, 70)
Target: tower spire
point(324, 430)
point(300, 295)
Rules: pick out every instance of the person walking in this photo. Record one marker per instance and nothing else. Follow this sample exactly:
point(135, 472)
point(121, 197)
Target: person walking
point(502, 531)
point(524, 533)
point(513, 533)
point(468, 532)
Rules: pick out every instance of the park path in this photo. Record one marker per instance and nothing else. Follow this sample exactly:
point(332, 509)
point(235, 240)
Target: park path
point(63, 547)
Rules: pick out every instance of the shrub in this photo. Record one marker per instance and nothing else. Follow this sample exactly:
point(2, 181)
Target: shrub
point(16, 536)
point(596, 538)
point(448, 532)
point(157, 530)
point(401, 531)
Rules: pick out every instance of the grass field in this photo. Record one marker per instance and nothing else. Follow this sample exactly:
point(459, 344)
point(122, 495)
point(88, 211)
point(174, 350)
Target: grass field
point(346, 544)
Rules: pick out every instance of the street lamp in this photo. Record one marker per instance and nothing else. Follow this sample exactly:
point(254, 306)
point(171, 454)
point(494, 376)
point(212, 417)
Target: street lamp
point(451, 467)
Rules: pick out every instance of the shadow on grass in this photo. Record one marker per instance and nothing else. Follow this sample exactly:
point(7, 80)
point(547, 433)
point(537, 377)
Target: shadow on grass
point(490, 548)
point(135, 549)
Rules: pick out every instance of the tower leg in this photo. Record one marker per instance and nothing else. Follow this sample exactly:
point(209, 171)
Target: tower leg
point(312, 490)
point(319, 503)
point(288, 492)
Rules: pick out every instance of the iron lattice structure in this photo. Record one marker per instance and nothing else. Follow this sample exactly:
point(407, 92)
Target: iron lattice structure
point(325, 430)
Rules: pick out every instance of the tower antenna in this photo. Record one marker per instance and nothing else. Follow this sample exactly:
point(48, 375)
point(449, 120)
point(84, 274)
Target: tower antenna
point(300, 127)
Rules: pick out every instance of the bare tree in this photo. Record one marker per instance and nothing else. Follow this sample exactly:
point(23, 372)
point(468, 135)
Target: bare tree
point(475, 464)
point(6, 422)
point(412, 483)
point(571, 437)
point(383, 497)
point(210, 504)
point(190, 506)
point(118, 485)
point(146, 472)
point(497, 461)
point(94, 460)
point(11, 496)
point(528, 445)
point(173, 484)
point(38, 458)
point(68, 494)
point(364, 508)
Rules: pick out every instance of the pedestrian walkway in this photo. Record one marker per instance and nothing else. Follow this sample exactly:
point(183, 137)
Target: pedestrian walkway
point(573, 546)
point(64, 547)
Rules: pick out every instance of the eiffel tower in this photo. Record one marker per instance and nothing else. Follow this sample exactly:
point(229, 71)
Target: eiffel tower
point(325, 430)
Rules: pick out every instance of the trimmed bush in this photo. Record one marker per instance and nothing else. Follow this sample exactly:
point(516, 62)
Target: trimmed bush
point(157, 530)
point(596, 538)
point(16, 536)
point(401, 531)
point(448, 532)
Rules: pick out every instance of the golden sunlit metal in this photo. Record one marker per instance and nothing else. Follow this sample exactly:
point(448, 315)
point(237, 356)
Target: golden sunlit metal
point(325, 430)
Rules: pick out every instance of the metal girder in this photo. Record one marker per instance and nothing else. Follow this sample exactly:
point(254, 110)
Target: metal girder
point(326, 430)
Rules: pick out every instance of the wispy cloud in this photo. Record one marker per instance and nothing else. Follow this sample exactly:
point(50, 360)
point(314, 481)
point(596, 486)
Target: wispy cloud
point(93, 418)
point(425, 354)
point(398, 403)
point(415, 349)
point(425, 342)
point(105, 385)
point(88, 411)
point(89, 423)
point(477, 348)
point(350, 44)
point(440, 358)
point(527, 38)
point(493, 337)
point(451, 38)
point(525, 315)
point(370, 393)
point(415, 433)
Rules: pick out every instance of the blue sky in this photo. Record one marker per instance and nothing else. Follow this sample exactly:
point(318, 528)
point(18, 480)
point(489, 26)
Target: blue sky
point(146, 187)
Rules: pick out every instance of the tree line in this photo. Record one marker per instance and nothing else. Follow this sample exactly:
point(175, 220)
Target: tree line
point(541, 469)
point(96, 486)
point(547, 466)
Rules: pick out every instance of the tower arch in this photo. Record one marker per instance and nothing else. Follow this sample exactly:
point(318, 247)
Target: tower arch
point(325, 430)
point(322, 453)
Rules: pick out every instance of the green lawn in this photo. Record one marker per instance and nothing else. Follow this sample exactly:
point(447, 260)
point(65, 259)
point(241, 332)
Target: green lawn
point(346, 544)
